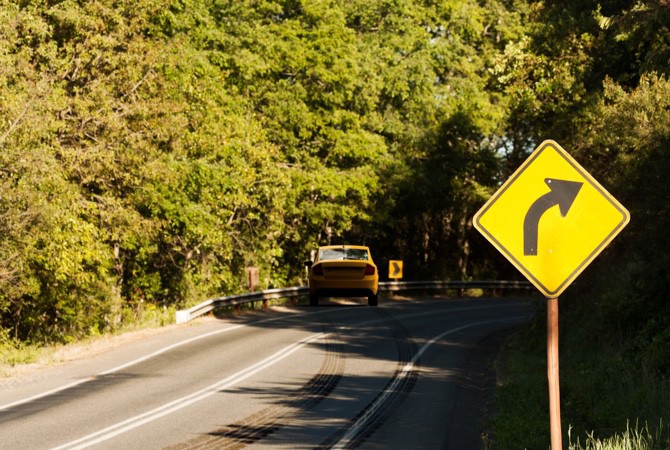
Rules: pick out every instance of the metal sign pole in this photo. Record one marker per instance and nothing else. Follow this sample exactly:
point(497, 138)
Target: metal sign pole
point(552, 374)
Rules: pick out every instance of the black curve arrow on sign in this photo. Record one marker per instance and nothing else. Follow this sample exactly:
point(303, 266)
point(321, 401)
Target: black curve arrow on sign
point(396, 269)
point(563, 194)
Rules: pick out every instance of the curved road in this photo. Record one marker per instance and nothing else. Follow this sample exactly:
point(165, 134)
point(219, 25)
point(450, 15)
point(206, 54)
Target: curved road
point(407, 374)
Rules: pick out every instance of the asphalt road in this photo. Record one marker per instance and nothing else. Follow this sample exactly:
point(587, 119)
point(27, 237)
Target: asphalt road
point(411, 373)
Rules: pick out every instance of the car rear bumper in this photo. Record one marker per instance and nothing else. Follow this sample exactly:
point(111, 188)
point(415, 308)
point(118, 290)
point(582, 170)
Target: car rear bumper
point(343, 292)
point(354, 288)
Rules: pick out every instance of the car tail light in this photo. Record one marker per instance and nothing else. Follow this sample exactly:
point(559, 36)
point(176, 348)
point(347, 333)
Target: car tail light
point(369, 270)
point(317, 270)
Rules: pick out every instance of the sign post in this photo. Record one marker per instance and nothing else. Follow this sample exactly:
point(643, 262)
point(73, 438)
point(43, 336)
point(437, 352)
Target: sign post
point(553, 374)
point(550, 219)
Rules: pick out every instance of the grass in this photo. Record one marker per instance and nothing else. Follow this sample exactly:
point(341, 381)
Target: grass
point(14, 353)
point(603, 390)
point(630, 439)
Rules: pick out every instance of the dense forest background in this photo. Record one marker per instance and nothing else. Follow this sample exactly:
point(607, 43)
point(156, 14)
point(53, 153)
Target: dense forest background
point(150, 150)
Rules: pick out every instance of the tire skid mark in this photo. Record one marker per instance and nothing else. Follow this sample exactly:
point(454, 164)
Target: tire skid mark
point(376, 412)
point(371, 417)
point(255, 427)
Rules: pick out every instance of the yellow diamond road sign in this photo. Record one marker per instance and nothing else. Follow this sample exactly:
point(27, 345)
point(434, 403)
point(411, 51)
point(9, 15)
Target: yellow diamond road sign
point(551, 219)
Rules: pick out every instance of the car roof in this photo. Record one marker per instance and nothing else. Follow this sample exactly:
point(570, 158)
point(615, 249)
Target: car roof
point(334, 247)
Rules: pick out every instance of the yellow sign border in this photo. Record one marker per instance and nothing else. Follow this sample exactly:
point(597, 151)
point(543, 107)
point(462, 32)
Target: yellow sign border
point(590, 257)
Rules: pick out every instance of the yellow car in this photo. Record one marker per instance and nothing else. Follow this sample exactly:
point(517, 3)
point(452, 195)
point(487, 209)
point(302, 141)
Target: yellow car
point(344, 271)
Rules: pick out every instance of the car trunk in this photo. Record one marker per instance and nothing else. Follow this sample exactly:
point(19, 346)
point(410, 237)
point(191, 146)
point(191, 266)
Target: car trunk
point(343, 270)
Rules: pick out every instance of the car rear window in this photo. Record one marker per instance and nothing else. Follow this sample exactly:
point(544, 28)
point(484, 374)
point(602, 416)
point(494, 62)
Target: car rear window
point(340, 254)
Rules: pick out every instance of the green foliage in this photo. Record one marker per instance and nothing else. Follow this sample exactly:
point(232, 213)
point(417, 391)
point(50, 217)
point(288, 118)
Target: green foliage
point(628, 144)
point(641, 28)
point(438, 107)
point(522, 405)
point(152, 149)
point(603, 390)
point(608, 104)
point(555, 73)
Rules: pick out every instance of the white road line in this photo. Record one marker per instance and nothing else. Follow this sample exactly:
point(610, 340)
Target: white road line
point(406, 370)
point(168, 348)
point(136, 361)
point(129, 424)
point(168, 408)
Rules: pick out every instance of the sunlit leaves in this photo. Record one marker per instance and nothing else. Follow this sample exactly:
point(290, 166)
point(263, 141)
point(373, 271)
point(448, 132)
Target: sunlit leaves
point(152, 149)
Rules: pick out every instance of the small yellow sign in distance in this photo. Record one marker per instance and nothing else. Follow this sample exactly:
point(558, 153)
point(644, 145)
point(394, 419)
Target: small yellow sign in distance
point(395, 269)
point(551, 218)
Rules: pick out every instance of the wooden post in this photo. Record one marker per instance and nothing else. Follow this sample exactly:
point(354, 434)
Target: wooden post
point(552, 374)
point(252, 278)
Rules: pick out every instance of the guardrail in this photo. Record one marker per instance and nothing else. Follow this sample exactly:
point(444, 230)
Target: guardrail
point(384, 286)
